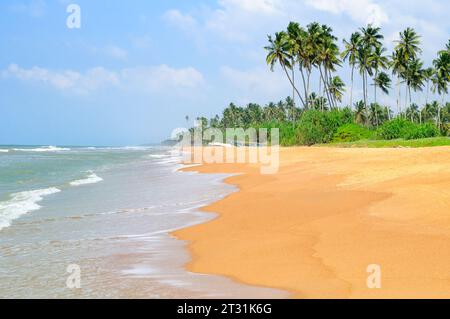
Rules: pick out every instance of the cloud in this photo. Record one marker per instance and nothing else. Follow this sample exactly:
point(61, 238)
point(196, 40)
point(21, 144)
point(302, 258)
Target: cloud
point(255, 6)
point(162, 77)
point(183, 21)
point(153, 78)
point(33, 8)
point(364, 11)
point(92, 79)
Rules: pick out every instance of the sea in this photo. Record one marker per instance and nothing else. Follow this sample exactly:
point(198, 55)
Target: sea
point(95, 222)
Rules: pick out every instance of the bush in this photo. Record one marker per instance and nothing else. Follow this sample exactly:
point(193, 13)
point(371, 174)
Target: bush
point(401, 128)
point(287, 131)
point(421, 131)
point(351, 132)
point(395, 128)
point(319, 127)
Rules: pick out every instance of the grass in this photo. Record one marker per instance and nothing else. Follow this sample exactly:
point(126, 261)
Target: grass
point(423, 142)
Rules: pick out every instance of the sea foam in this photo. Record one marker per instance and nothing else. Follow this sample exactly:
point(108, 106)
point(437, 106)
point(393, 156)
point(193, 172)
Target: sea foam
point(42, 149)
point(22, 203)
point(92, 178)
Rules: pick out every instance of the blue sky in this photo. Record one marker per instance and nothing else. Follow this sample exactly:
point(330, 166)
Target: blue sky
point(134, 69)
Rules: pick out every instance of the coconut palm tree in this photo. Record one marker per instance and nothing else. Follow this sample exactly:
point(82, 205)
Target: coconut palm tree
point(375, 113)
point(378, 62)
point(383, 82)
point(408, 45)
point(278, 51)
point(413, 113)
point(350, 53)
point(441, 79)
point(398, 68)
point(428, 75)
point(370, 40)
point(337, 88)
point(360, 113)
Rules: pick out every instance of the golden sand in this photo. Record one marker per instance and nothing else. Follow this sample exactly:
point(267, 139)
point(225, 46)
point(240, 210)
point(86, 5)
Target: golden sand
point(314, 227)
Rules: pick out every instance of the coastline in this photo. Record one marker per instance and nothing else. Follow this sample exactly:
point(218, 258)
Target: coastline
point(314, 227)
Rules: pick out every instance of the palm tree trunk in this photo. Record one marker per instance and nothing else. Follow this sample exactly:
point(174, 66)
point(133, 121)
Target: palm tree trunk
point(292, 83)
point(351, 88)
point(364, 89)
point(399, 107)
point(304, 87)
point(375, 86)
point(325, 85)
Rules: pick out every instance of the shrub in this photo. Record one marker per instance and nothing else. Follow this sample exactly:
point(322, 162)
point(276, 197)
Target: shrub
point(351, 132)
point(421, 131)
point(319, 127)
point(395, 128)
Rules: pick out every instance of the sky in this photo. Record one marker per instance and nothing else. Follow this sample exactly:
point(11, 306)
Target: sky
point(134, 69)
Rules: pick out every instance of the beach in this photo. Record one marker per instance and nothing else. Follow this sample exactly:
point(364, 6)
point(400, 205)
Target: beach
point(313, 228)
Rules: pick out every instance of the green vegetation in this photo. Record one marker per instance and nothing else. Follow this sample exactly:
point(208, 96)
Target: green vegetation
point(310, 58)
point(423, 142)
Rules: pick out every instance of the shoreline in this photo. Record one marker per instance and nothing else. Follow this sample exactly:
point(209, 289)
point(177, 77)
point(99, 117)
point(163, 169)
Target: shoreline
point(314, 227)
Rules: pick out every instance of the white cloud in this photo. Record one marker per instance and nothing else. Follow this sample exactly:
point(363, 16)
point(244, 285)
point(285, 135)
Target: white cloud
point(183, 21)
point(255, 6)
point(154, 78)
point(92, 79)
point(162, 77)
point(364, 11)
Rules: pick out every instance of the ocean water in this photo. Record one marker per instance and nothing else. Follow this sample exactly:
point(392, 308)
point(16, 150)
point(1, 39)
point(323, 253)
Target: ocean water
point(108, 211)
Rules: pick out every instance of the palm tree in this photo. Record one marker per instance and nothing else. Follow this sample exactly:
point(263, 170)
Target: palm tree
point(412, 112)
point(337, 88)
point(398, 68)
point(360, 113)
point(408, 45)
point(375, 113)
point(187, 120)
point(370, 40)
point(383, 82)
point(327, 57)
point(378, 61)
point(279, 52)
point(428, 75)
point(441, 78)
point(408, 49)
point(351, 53)
point(415, 77)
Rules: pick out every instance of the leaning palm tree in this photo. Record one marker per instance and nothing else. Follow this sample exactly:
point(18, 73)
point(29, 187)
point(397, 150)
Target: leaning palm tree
point(351, 53)
point(278, 49)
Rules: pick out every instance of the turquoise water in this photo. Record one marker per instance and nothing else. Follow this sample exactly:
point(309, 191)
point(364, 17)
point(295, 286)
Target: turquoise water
point(109, 211)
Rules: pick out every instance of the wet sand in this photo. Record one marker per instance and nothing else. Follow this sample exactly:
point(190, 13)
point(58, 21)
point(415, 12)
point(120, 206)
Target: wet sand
point(314, 227)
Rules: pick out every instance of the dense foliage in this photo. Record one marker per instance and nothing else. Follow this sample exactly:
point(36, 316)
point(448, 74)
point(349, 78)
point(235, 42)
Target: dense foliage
point(320, 115)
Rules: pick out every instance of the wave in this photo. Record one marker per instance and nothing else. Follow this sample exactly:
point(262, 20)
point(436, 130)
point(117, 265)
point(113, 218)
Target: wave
point(22, 203)
point(42, 149)
point(159, 155)
point(4, 151)
point(91, 179)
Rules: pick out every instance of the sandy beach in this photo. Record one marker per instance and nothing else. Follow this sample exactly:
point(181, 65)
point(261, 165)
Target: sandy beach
point(314, 227)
